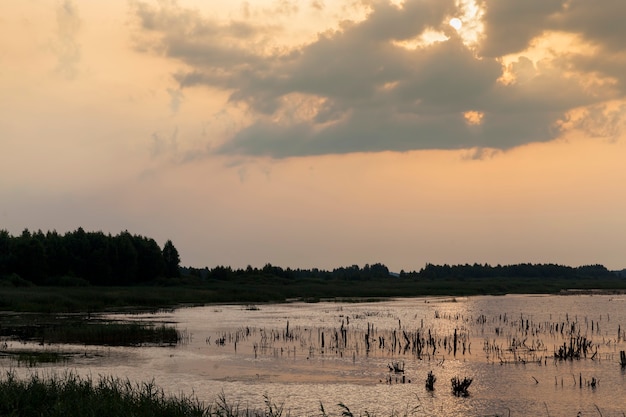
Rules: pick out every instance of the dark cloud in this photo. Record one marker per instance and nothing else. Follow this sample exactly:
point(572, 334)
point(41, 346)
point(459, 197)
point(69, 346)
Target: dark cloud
point(602, 25)
point(601, 22)
point(357, 89)
point(510, 25)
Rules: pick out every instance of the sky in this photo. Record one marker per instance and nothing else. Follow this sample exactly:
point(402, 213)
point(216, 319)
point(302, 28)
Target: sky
point(319, 133)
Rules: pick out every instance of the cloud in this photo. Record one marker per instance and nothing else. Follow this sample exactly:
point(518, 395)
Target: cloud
point(371, 85)
point(317, 5)
point(511, 25)
point(164, 143)
point(176, 98)
point(601, 121)
point(284, 7)
point(65, 46)
point(599, 22)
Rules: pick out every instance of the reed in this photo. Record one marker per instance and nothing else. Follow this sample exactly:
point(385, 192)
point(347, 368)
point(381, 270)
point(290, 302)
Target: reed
point(430, 381)
point(246, 290)
point(35, 358)
point(92, 332)
point(113, 334)
point(460, 387)
point(74, 396)
point(71, 396)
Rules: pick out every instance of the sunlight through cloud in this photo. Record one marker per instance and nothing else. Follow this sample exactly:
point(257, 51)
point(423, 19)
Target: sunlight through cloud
point(428, 37)
point(473, 118)
point(469, 24)
point(456, 23)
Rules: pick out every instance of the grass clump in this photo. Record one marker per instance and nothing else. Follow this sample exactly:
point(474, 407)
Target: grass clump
point(34, 358)
point(430, 381)
point(460, 387)
point(223, 408)
point(71, 395)
point(112, 334)
point(48, 329)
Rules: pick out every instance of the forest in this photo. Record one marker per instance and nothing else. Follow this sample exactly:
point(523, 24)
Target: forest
point(429, 272)
point(84, 258)
point(94, 258)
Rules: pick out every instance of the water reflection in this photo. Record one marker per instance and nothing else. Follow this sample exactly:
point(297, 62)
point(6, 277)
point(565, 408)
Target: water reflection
point(303, 354)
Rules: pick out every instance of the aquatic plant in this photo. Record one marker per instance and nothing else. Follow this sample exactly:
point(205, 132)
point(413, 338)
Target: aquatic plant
point(460, 387)
point(578, 347)
point(34, 358)
point(430, 381)
point(82, 330)
point(396, 367)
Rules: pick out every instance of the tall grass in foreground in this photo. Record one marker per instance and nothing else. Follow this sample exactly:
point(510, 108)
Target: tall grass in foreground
point(73, 396)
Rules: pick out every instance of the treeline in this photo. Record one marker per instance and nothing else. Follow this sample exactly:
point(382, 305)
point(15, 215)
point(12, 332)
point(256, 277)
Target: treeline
point(354, 272)
point(96, 258)
point(81, 257)
point(429, 272)
point(524, 270)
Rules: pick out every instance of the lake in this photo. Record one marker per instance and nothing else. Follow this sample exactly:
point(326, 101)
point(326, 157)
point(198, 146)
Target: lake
point(374, 357)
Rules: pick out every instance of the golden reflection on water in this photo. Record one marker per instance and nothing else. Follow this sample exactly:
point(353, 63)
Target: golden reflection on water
point(304, 354)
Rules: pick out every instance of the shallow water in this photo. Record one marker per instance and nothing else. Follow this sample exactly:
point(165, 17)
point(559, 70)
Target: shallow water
point(506, 344)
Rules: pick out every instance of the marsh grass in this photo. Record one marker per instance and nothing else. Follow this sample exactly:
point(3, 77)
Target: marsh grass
point(460, 387)
point(113, 334)
point(99, 299)
point(246, 290)
point(80, 329)
point(430, 381)
point(35, 357)
point(71, 395)
point(223, 408)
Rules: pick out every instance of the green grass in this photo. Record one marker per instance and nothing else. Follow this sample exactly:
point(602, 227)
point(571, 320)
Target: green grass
point(267, 289)
point(99, 299)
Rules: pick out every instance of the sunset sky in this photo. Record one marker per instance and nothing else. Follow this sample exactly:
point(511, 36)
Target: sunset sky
point(321, 133)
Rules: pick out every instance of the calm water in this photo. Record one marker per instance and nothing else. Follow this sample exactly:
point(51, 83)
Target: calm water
point(302, 354)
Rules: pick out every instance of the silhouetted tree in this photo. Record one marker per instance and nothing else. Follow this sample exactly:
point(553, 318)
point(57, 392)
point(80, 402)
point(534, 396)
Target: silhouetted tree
point(150, 259)
point(125, 259)
point(28, 258)
point(172, 260)
point(5, 252)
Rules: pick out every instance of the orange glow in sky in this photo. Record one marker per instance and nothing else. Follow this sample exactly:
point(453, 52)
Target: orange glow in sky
point(318, 133)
